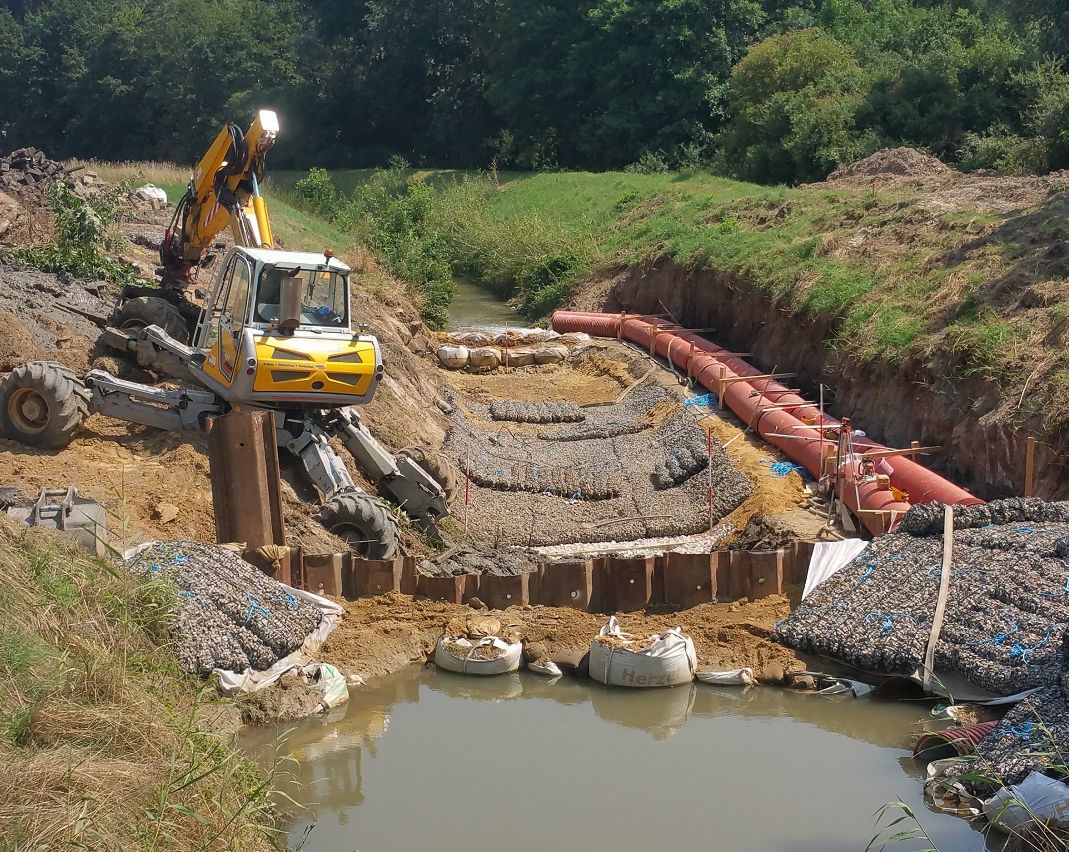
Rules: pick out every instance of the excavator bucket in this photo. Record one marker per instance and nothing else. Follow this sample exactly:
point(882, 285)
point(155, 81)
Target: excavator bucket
point(67, 512)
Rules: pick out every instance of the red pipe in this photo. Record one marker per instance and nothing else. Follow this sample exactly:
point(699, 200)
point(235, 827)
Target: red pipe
point(703, 360)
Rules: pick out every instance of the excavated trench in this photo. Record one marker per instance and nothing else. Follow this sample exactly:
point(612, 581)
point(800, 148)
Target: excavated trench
point(896, 403)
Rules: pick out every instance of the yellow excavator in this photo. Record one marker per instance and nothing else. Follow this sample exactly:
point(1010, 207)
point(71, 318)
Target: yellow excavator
point(275, 330)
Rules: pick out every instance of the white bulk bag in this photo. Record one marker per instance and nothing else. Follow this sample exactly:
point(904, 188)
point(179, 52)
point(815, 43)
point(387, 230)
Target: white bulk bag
point(666, 659)
point(453, 357)
point(463, 657)
point(151, 193)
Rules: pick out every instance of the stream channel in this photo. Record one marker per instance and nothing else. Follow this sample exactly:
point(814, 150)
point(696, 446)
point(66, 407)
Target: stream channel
point(475, 308)
point(429, 760)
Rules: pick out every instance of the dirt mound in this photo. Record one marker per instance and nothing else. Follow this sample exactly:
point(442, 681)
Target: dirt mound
point(908, 162)
point(48, 316)
point(762, 534)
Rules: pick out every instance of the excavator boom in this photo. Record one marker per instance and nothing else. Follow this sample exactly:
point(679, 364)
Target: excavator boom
point(223, 192)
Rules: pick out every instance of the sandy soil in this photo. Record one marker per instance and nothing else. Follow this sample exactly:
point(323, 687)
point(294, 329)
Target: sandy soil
point(384, 634)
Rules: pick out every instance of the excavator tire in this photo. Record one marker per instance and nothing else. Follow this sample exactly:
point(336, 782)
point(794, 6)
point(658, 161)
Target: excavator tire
point(439, 467)
point(143, 311)
point(42, 404)
point(363, 522)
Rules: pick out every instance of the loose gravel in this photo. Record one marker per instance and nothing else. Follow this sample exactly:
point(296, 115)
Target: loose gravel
point(232, 616)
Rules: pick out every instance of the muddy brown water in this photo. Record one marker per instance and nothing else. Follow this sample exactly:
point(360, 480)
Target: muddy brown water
point(476, 308)
point(429, 760)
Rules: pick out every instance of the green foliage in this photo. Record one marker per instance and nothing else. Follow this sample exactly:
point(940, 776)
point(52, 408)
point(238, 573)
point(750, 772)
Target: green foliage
point(774, 90)
point(794, 98)
point(317, 192)
point(81, 236)
point(395, 217)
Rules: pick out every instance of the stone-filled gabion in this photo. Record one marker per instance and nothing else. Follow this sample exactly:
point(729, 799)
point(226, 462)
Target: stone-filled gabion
point(681, 463)
point(586, 431)
point(561, 481)
point(927, 518)
point(232, 616)
point(1007, 603)
point(1033, 736)
point(517, 411)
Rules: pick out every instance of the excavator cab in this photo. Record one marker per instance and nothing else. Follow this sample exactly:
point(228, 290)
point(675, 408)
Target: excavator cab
point(276, 331)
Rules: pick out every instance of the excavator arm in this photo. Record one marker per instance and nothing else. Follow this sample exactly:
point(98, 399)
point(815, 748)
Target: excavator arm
point(223, 192)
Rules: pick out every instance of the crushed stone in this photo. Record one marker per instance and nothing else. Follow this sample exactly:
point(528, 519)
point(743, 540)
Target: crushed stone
point(231, 615)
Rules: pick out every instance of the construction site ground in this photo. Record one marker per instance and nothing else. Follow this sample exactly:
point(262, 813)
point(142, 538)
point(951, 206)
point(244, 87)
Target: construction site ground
point(156, 485)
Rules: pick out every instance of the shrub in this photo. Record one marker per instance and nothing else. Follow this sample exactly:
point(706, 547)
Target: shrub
point(81, 236)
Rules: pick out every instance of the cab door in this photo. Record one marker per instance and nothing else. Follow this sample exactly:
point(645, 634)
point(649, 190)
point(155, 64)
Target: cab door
point(228, 321)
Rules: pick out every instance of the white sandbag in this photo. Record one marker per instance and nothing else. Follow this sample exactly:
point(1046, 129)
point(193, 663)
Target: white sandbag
point(453, 357)
point(545, 667)
point(732, 677)
point(470, 338)
point(574, 338)
point(464, 655)
point(332, 684)
point(484, 358)
point(1037, 799)
point(550, 354)
point(151, 192)
point(521, 336)
point(521, 357)
point(665, 659)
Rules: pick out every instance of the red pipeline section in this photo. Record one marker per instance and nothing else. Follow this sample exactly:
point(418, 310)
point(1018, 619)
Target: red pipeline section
point(778, 414)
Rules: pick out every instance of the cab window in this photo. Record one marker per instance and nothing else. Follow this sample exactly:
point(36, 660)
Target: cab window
point(237, 294)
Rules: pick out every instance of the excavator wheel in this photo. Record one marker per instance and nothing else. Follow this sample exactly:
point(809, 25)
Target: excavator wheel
point(143, 311)
point(363, 522)
point(439, 467)
point(42, 404)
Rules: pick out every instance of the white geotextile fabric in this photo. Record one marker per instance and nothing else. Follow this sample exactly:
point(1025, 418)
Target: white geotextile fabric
point(828, 557)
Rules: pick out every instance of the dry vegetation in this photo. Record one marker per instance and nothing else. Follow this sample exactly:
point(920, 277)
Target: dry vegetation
point(98, 747)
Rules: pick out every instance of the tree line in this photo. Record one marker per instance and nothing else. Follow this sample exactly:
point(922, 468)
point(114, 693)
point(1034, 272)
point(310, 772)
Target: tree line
point(768, 90)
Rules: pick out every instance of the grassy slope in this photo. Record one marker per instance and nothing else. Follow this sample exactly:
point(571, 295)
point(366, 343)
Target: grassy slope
point(97, 744)
point(292, 227)
point(903, 279)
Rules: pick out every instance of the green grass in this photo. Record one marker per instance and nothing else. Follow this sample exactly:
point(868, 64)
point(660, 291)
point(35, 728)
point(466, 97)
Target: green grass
point(98, 746)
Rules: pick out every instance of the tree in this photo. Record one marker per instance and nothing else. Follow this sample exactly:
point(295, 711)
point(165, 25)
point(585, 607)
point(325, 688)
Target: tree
point(793, 101)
